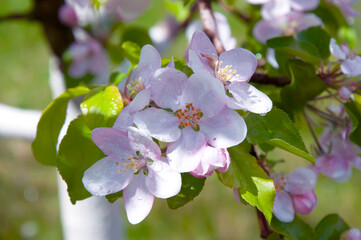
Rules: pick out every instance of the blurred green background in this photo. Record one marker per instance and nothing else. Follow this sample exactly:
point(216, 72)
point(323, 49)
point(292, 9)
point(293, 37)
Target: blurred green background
point(28, 191)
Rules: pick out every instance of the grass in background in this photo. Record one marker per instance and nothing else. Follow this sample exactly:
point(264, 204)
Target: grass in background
point(28, 191)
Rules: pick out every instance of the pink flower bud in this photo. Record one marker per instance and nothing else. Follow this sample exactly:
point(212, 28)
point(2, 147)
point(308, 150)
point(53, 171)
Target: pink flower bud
point(354, 234)
point(304, 203)
point(67, 15)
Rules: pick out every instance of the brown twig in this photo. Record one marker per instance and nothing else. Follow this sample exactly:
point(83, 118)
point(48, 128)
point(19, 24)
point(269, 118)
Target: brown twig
point(209, 24)
point(263, 225)
point(265, 79)
point(235, 12)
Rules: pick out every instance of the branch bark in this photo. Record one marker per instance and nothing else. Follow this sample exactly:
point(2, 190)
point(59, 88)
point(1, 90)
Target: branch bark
point(265, 79)
point(209, 24)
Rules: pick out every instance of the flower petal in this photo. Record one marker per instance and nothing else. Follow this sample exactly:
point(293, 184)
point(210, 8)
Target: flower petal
point(275, 8)
point(185, 154)
point(206, 93)
point(158, 123)
point(283, 207)
point(267, 29)
point(225, 130)
point(111, 141)
point(213, 158)
point(301, 181)
point(167, 86)
point(304, 203)
point(249, 98)
point(336, 50)
point(162, 181)
point(224, 31)
point(242, 61)
point(103, 178)
point(138, 201)
point(149, 62)
point(201, 44)
point(127, 10)
point(143, 143)
point(334, 167)
point(351, 67)
point(302, 5)
point(126, 116)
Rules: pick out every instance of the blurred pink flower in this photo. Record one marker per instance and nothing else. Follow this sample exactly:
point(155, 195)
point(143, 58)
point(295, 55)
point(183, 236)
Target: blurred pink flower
point(67, 15)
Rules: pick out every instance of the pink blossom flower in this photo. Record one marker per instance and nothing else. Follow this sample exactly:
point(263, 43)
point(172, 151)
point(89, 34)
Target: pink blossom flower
point(67, 15)
point(275, 8)
point(233, 69)
point(341, 155)
point(87, 57)
point(134, 164)
point(354, 234)
point(294, 193)
point(197, 116)
point(285, 25)
point(350, 61)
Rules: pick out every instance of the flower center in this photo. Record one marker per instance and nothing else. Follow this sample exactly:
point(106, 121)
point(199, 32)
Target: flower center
point(224, 74)
point(289, 28)
point(189, 116)
point(134, 163)
point(280, 183)
point(137, 85)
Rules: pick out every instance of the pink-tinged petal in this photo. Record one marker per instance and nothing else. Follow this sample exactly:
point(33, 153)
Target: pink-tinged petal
point(283, 207)
point(205, 93)
point(351, 67)
point(302, 5)
point(111, 141)
point(127, 10)
point(267, 29)
point(304, 203)
point(257, 1)
point(139, 141)
point(348, 11)
point(334, 167)
point(166, 87)
point(138, 201)
point(345, 48)
point(300, 181)
point(197, 65)
point(248, 98)
point(271, 58)
point(126, 116)
point(344, 93)
point(236, 195)
point(213, 158)
point(275, 8)
point(225, 130)
point(192, 27)
point(171, 63)
point(67, 15)
point(162, 181)
point(149, 62)
point(354, 234)
point(103, 177)
point(201, 44)
point(242, 61)
point(356, 162)
point(307, 20)
point(336, 50)
point(185, 154)
point(159, 124)
point(224, 31)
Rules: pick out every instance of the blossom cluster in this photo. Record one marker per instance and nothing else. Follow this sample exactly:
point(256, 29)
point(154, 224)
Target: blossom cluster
point(175, 124)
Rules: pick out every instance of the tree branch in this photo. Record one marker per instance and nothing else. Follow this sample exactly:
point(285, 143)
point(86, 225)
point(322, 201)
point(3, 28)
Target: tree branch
point(209, 24)
point(17, 16)
point(265, 79)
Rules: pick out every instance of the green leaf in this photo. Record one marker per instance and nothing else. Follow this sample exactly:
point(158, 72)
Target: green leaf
point(331, 17)
point(277, 129)
point(305, 85)
point(102, 106)
point(77, 152)
point(330, 228)
point(136, 34)
point(50, 124)
point(353, 109)
point(319, 38)
point(252, 183)
point(191, 187)
point(349, 35)
point(178, 9)
point(114, 196)
point(190, 2)
point(274, 236)
point(131, 51)
point(296, 230)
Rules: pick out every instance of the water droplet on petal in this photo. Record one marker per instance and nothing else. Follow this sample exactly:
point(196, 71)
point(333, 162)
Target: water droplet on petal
point(139, 198)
